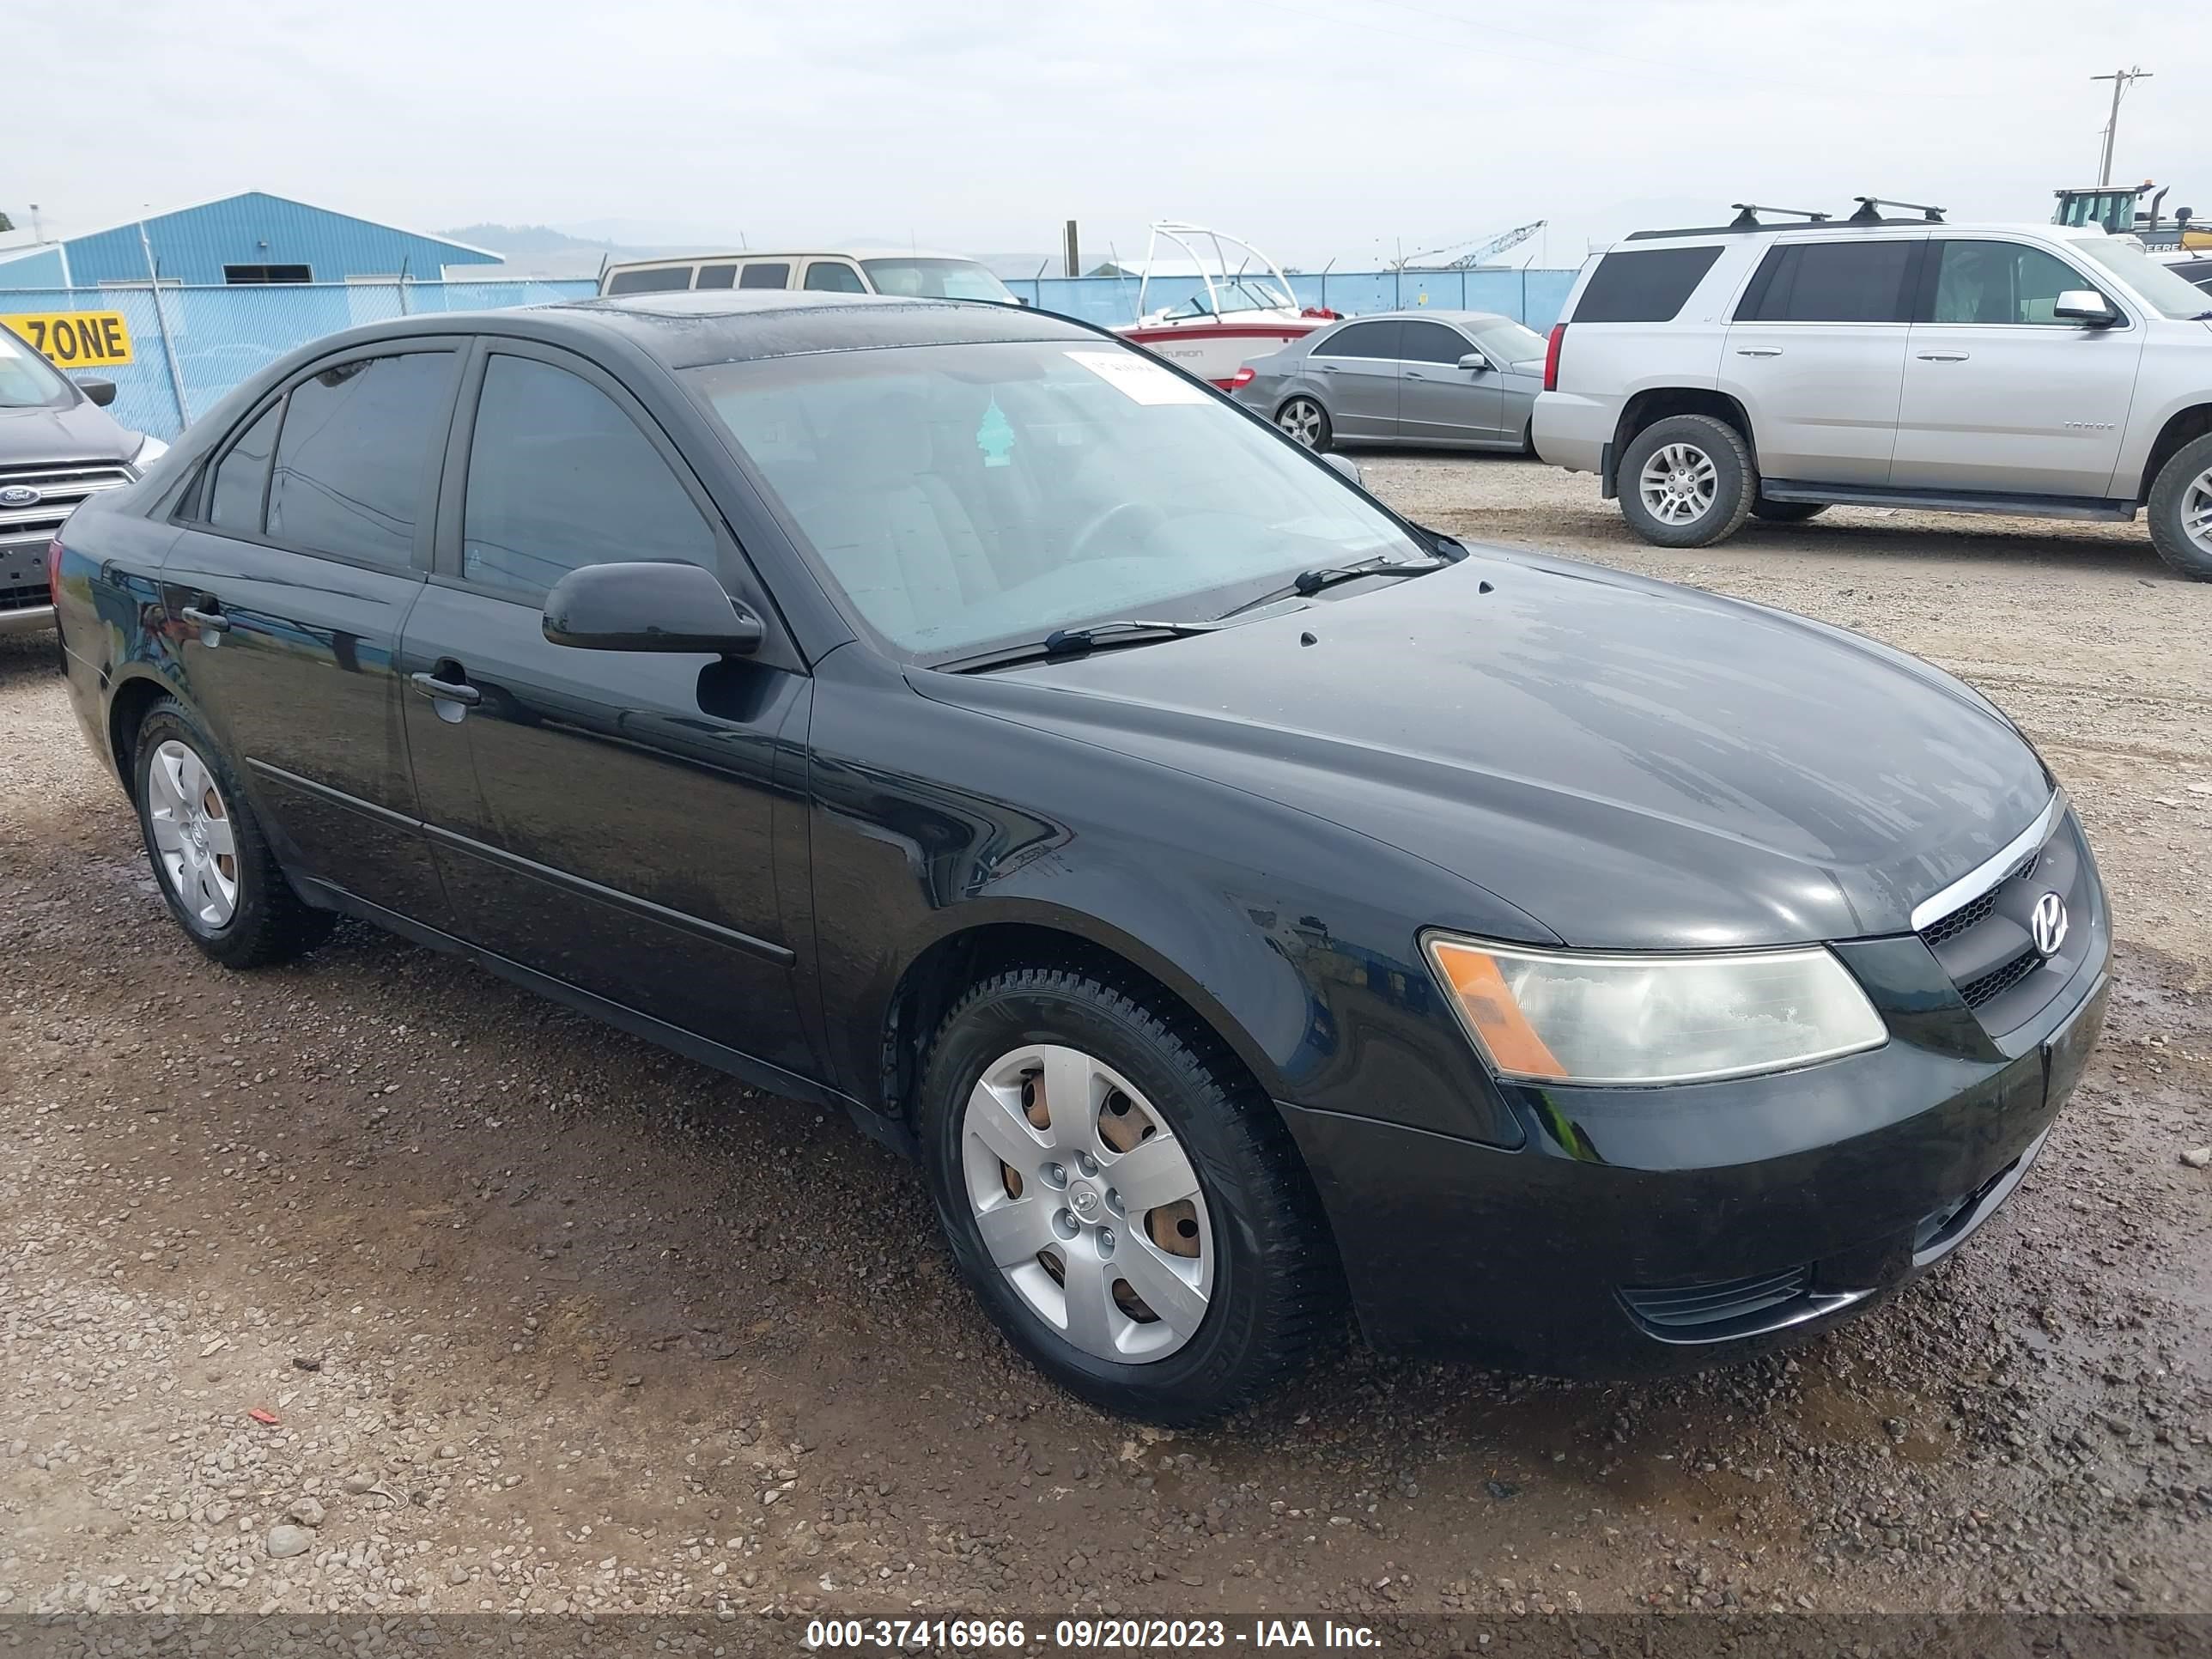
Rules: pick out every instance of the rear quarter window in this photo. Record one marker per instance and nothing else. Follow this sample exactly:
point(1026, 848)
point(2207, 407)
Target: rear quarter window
point(1643, 285)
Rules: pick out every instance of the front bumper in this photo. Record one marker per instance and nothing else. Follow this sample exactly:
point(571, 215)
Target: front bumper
point(1641, 1231)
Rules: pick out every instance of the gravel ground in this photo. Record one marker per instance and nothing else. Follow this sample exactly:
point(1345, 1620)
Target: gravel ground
point(372, 1284)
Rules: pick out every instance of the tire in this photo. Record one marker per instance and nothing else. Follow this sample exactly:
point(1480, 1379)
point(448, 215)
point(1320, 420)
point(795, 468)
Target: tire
point(1715, 469)
point(232, 902)
point(2181, 511)
point(1787, 512)
point(1303, 421)
point(1256, 1284)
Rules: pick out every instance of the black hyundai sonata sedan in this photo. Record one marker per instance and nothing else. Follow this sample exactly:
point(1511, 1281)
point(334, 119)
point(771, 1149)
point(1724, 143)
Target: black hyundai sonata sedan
point(1236, 897)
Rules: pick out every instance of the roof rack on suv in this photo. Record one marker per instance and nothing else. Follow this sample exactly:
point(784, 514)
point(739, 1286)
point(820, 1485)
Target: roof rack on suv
point(1870, 209)
point(1747, 215)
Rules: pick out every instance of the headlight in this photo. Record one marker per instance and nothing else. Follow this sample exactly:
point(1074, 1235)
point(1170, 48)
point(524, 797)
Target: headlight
point(149, 451)
point(1578, 1017)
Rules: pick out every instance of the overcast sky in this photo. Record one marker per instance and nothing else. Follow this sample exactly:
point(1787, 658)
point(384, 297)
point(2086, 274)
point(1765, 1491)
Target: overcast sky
point(1319, 128)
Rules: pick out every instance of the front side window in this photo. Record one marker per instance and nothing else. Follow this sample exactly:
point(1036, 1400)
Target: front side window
point(965, 495)
point(242, 476)
point(559, 477)
point(2001, 283)
point(1830, 282)
point(936, 279)
point(834, 276)
point(1361, 340)
point(353, 457)
point(765, 276)
point(1433, 343)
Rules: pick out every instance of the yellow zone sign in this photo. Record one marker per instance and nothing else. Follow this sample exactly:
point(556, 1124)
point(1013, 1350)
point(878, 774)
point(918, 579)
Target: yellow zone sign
point(75, 339)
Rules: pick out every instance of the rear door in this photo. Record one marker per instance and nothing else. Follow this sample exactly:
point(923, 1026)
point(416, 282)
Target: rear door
point(1439, 402)
point(305, 546)
point(1816, 356)
point(2000, 394)
point(1355, 372)
point(609, 819)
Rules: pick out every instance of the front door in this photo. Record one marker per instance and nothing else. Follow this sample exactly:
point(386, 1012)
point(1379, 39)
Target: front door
point(1816, 355)
point(289, 588)
point(612, 819)
point(2001, 394)
point(1439, 402)
point(1355, 371)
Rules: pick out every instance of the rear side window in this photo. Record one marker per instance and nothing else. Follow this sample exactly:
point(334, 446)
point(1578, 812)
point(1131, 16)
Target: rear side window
point(1830, 282)
point(717, 276)
point(765, 276)
point(559, 477)
point(1433, 343)
point(242, 476)
point(1361, 340)
point(1643, 285)
point(834, 276)
point(650, 282)
point(353, 457)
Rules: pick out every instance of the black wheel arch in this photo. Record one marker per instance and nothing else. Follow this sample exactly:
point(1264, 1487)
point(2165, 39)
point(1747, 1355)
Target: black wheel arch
point(1658, 403)
point(2181, 429)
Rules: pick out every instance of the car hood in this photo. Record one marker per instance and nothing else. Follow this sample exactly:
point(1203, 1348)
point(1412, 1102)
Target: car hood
point(1633, 764)
point(83, 432)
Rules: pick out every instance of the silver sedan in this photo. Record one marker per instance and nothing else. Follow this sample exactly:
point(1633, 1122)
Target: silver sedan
point(1454, 379)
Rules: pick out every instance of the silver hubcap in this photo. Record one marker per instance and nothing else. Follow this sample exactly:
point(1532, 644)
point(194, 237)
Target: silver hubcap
point(194, 842)
point(1301, 420)
point(1677, 483)
point(2196, 512)
point(1087, 1203)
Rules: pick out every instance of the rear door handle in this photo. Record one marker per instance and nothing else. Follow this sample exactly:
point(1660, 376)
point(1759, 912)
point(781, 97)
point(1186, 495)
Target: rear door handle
point(438, 691)
point(1758, 351)
point(209, 621)
point(1944, 356)
point(1415, 374)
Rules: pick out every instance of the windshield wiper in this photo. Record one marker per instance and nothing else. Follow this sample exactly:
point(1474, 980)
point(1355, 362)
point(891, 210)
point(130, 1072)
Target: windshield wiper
point(1076, 641)
point(1307, 583)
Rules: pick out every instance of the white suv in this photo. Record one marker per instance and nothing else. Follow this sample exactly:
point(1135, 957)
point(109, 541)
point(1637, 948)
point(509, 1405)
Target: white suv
point(1707, 376)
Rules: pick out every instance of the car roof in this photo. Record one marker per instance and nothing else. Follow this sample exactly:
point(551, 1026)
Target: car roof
point(1728, 234)
point(1430, 313)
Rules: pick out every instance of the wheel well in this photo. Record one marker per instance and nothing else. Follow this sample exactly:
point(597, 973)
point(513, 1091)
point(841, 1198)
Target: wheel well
point(2184, 429)
point(937, 979)
point(126, 714)
point(1657, 404)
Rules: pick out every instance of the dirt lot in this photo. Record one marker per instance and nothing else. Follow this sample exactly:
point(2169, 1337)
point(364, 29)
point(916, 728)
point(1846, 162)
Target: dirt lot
point(494, 1309)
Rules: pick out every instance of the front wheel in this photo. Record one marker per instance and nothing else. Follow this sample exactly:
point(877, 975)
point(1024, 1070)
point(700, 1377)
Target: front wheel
point(2181, 511)
point(1687, 481)
point(1120, 1197)
point(1305, 421)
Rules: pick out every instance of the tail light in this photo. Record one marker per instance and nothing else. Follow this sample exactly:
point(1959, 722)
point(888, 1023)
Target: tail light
point(1552, 356)
point(54, 570)
point(1243, 376)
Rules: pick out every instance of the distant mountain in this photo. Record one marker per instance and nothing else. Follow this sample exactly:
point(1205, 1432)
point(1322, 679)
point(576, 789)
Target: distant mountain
point(542, 251)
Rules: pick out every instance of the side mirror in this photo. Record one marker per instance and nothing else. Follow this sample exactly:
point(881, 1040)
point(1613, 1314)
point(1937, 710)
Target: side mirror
point(101, 391)
point(1475, 364)
point(2085, 305)
point(1345, 465)
point(649, 606)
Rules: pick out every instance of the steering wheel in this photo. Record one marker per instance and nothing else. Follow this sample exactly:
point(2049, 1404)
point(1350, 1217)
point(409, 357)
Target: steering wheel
point(1120, 513)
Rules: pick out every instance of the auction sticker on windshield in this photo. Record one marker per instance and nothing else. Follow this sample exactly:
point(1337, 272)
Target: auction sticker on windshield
point(1137, 381)
point(75, 339)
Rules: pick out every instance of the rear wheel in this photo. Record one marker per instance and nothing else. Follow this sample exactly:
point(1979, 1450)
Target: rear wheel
point(2181, 511)
point(1686, 481)
point(1306, 422)
point(1787, 512)
point(1122, 1200)
point(214, 864)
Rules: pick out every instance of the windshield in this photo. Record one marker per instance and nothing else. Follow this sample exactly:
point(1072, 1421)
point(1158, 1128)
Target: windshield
point(936, 279)
point(973, 495)
point(2156, 285)
point(1508, 343)
point(1237, 294)
point(26, 381)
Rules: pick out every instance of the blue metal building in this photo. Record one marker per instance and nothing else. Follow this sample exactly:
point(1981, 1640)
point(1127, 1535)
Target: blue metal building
point(250, 240)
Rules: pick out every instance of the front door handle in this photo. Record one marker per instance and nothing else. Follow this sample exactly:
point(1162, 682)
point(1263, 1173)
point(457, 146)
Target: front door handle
point(208, 620)
point(1415, 374)
point(1944, 356)
point(438, 691)
point(1758, 351)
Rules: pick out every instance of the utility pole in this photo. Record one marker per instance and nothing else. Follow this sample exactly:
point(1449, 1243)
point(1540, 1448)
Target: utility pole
point(2121, 79)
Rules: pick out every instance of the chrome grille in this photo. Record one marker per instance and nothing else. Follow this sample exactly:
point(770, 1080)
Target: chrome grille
point(1987, 946)
point(61, 485)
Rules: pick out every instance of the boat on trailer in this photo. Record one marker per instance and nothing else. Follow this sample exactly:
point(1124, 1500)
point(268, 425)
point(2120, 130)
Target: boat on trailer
point(1245, 310)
